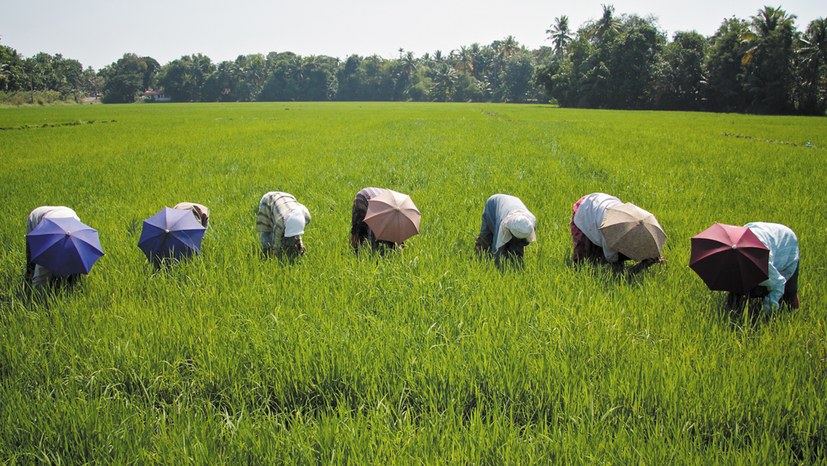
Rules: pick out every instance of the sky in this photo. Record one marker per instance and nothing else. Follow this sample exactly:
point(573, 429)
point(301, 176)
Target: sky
point(98, 32)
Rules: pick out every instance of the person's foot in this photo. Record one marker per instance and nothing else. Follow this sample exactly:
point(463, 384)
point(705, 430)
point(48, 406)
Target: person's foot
point(794, 302)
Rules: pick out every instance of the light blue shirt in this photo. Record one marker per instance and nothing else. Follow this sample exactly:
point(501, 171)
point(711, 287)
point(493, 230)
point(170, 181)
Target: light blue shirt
point(783, 262)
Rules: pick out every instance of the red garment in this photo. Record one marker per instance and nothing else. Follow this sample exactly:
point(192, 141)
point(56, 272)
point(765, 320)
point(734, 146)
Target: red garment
point(583, 248)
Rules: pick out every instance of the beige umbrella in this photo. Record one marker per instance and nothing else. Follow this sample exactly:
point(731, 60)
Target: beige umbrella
point(633, 232)
point(392, 216)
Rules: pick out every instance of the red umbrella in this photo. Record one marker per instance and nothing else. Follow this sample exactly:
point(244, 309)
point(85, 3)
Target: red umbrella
point(729, 258)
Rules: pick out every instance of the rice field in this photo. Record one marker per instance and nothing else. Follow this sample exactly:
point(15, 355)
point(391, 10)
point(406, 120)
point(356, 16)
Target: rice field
point(426, 356)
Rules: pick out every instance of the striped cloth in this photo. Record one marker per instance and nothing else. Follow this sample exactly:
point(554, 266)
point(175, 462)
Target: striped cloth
point(359, 230)
point(273, 209)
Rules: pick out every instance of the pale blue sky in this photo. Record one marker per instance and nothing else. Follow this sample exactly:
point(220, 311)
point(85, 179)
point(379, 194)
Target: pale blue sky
point(98, 32)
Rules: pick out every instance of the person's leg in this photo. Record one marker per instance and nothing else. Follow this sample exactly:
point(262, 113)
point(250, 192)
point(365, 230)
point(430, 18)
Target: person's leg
point(41, 276)
point(267, 239)
point(735, 301)
point(791, 291)
point(483, 243)
point(582, 247)
point(29, 264)
point(359, 230)
point(485, 238)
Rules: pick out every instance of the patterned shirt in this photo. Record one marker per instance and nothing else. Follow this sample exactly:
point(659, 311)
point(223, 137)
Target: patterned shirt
point(273, 209)
point(358, 227)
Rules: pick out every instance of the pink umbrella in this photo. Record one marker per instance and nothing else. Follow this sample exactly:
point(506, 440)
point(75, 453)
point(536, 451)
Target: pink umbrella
point(729, 258)
point(392, 216)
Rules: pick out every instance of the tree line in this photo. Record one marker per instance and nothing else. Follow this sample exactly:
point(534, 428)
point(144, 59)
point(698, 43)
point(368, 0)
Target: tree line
point(762, 64)
point(759, 65)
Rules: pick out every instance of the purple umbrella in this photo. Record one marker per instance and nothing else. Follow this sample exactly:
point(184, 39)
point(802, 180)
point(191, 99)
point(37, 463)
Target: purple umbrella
point(171, 233)
point(64, 246)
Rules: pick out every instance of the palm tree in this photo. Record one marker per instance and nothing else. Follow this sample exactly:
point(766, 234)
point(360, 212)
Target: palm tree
point(409, 63)
point(769, 60)
point(465, 60)
point(507, 47)
point(444, 78)
point(813, 68)
point(606, 25)
point(814, 42)
point(762, 26)
point(560, 34)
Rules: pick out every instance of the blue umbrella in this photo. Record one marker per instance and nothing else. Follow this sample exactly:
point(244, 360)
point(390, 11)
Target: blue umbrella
point(171, 233)
point(64, 246)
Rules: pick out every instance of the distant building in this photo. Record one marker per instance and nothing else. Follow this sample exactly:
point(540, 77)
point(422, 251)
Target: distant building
point(151, 95)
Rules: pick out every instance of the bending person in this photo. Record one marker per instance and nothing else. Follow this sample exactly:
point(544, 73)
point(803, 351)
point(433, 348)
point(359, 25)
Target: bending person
point(201, 213)
point(639, 239)
point(280, 224)
point(507, 227)
point(360, 232)
point(782, 284)
point(36, 274)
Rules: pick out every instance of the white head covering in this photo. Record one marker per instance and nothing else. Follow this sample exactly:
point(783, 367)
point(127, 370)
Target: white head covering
point(294, 224)
point(38, 214)
point(517, 224)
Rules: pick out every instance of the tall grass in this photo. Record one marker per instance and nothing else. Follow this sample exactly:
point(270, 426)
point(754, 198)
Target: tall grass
point(427, 356)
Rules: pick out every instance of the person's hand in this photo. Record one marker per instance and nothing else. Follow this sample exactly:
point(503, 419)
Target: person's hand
point(646, 263)
point(653, 261)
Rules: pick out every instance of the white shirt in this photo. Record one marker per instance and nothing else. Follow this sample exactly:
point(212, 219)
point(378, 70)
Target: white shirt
point(783, 262)
point(589, 216)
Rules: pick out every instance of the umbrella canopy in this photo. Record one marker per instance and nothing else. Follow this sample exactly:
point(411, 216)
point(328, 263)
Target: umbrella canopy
point(729, 258)
point(392, 216)
point(171, 233)
point(633, 231)
point(64, 246)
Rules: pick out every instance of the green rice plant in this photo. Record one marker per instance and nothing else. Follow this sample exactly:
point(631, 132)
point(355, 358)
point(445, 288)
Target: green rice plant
point(428, 355)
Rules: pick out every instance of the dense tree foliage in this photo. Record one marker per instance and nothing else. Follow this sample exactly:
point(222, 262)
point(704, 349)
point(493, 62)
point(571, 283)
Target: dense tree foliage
point(762, 64)
point(125, 79)
point(64, 77)
point(759, 65)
